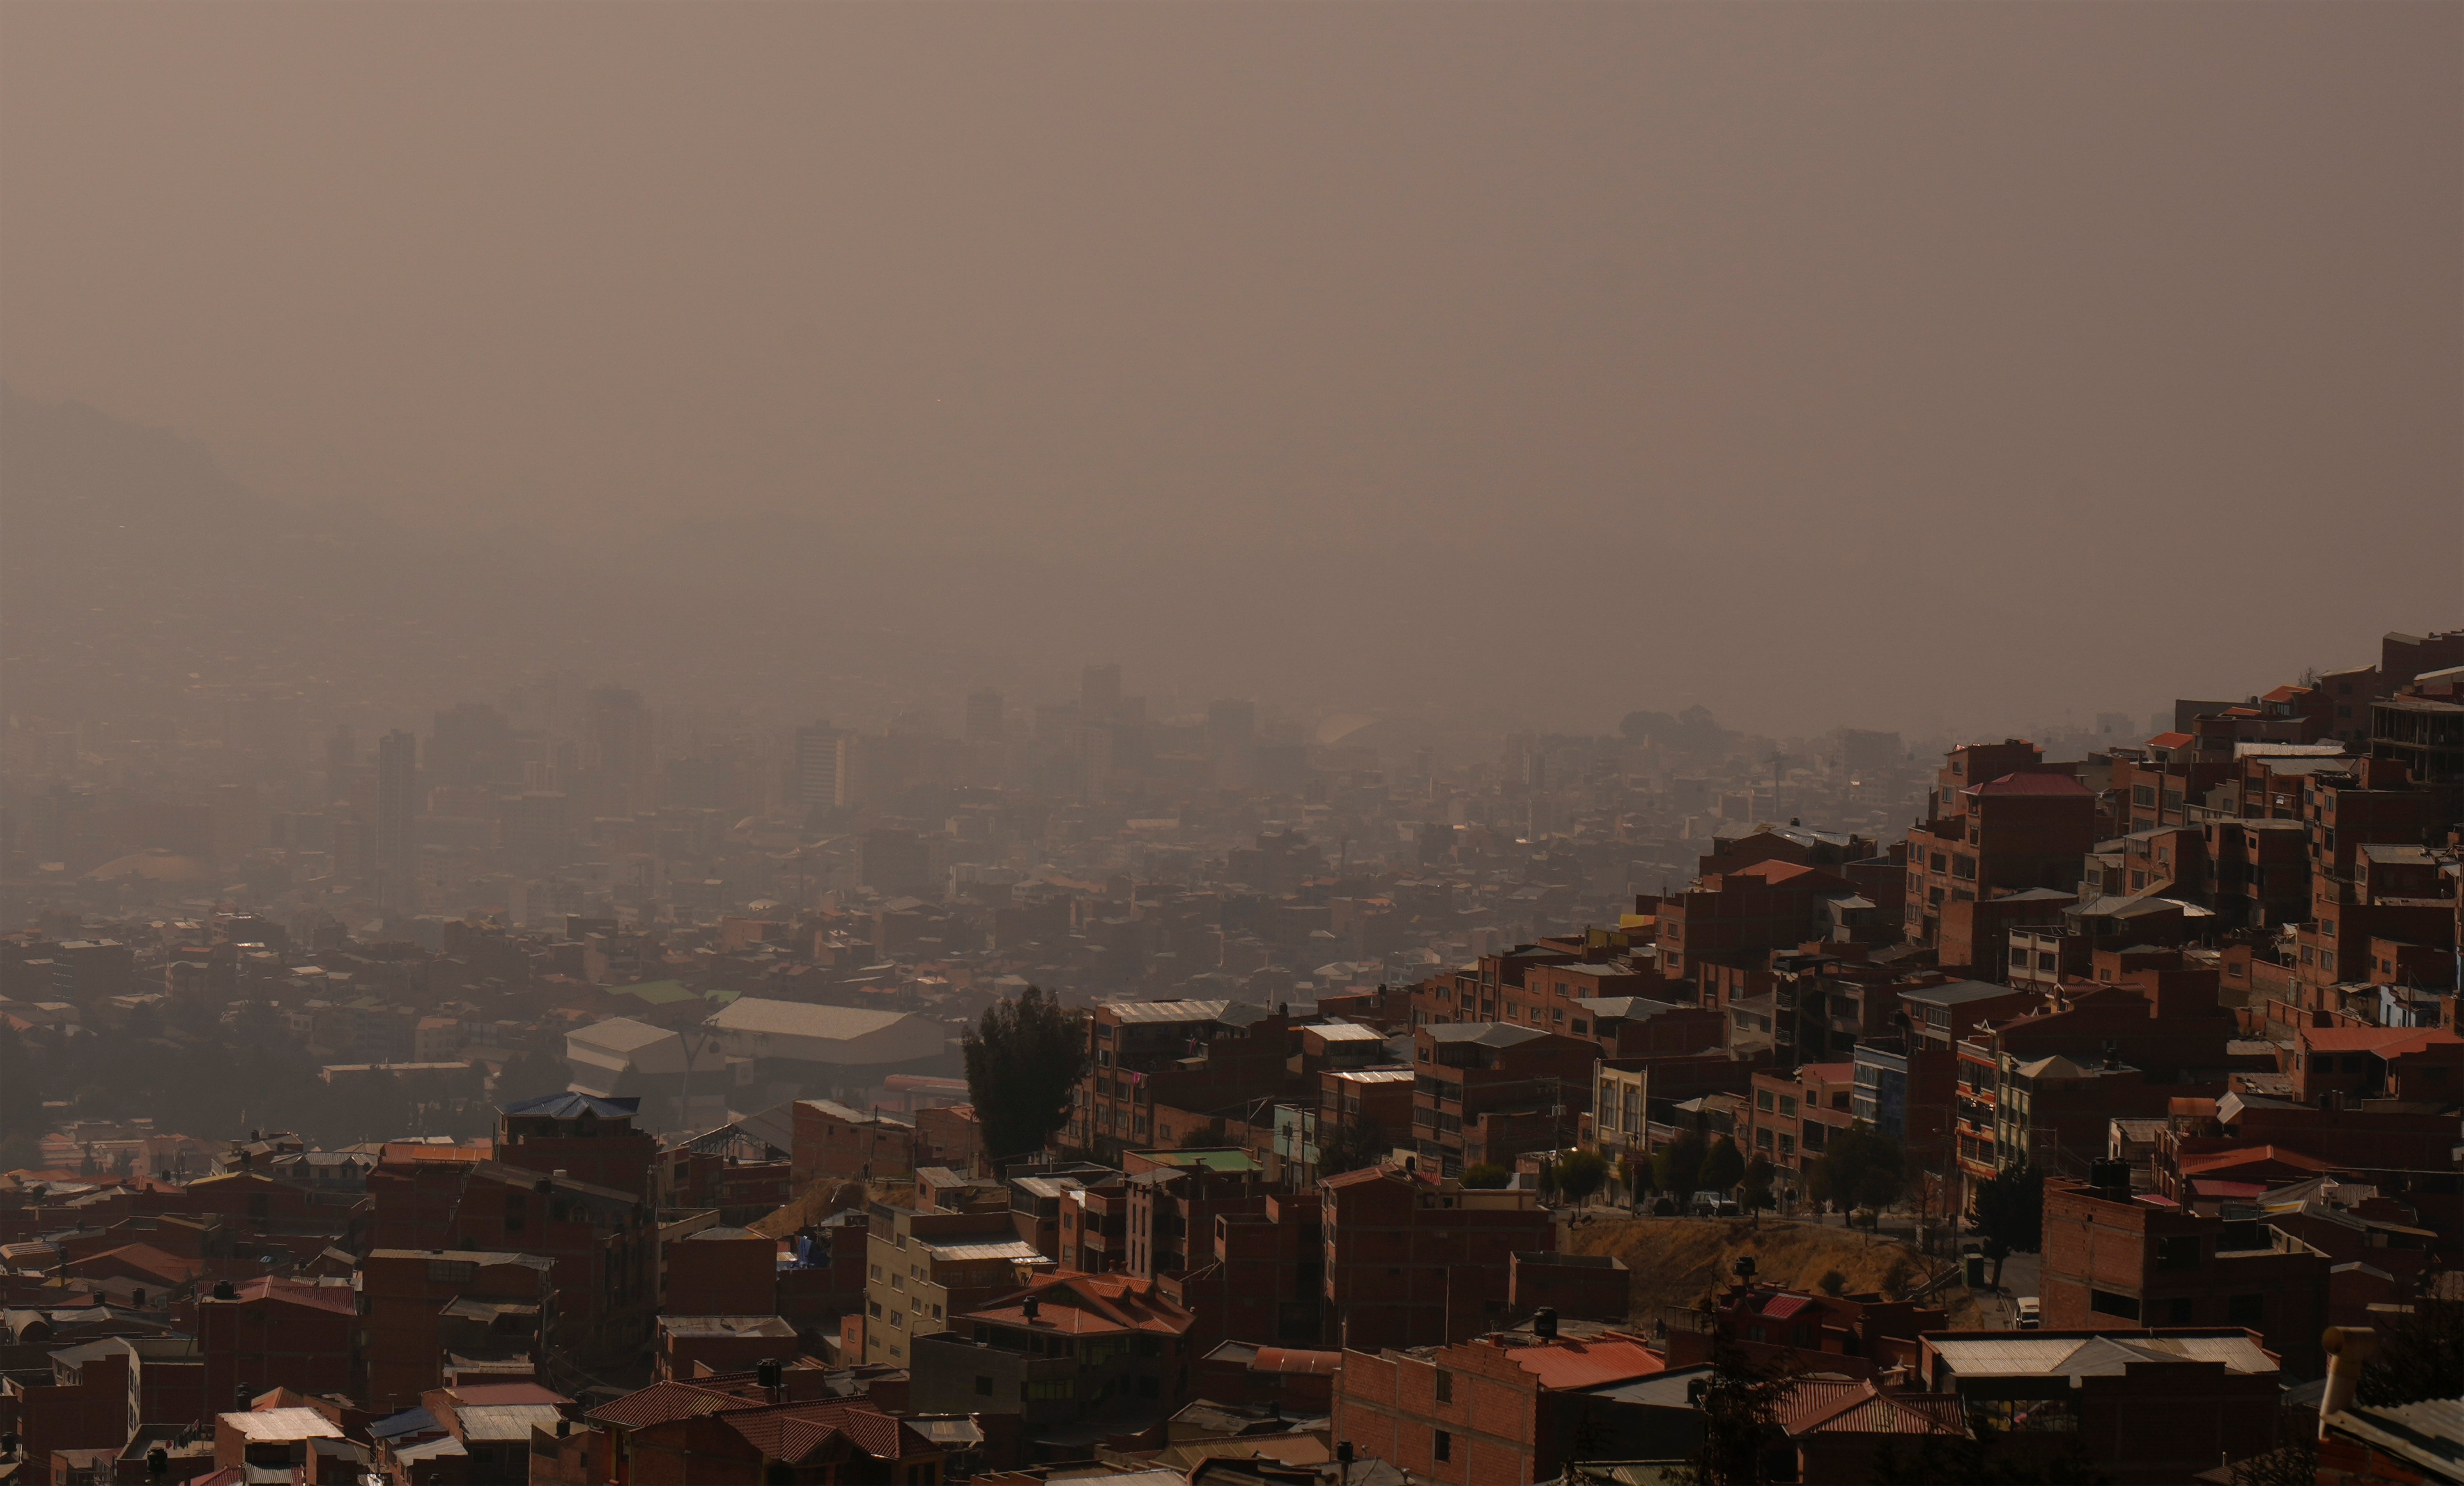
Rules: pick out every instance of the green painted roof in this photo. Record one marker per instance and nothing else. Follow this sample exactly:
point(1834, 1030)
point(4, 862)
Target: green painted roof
point(1212, 1160)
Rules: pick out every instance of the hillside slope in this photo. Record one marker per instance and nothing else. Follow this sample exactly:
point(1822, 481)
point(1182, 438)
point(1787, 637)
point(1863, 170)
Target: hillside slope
point(1677, 1260)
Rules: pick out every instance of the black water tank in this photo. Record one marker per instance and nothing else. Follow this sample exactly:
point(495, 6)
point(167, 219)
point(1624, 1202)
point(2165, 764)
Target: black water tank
point(1543, 1324)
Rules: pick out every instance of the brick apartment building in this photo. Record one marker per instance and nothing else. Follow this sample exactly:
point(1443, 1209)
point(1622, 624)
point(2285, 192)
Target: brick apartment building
point(405, 1295)
point(719, 1271)
point(1415, 1260)
point(273, 1332)
point(2141, 1404)
point(1733, 920)
point(1059, 1351)
point(1790, 1117)
point(2112, 1260)
point(1139, 1054)
point(1508, 1407)
point(1489, 1091)
point(604, 1244)
point(2002, 822)
point(835, 1140)
point(587, 1138)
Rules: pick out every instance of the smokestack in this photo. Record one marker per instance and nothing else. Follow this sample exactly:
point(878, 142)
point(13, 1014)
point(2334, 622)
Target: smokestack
point(2348, 1348)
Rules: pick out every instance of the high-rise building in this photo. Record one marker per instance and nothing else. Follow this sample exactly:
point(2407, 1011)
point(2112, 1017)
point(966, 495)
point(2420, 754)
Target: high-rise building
point(472, 744)
point(397, 853)
point(532, 829)
point(814, 777)
point(620, 734)
point(1099, 694)
point(984, 717)
point(1230, 725)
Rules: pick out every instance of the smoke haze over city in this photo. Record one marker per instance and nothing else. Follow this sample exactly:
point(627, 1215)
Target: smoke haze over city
point(1819, 364)
point(1231, 744)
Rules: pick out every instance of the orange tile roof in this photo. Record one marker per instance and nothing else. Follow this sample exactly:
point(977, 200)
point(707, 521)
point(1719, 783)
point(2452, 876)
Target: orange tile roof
point(1587, 1365)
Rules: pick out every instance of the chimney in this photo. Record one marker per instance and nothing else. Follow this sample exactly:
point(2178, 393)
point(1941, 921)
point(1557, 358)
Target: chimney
point(2348, 1348)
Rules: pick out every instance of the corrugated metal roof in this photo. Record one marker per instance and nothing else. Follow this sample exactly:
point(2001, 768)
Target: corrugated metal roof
point(1139, 1011)
point(282, 1424)
point(502, 1422)
point(1017, 1249)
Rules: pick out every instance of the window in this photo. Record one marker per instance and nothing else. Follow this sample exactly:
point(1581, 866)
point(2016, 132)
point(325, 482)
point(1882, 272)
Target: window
point(1443, 1446)
point(1763, 1101)
point(1787, 1105)
point(2104, 1302)
point(1445, 1387)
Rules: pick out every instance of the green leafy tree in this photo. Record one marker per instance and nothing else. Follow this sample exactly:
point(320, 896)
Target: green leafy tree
point(1485, 1174)
point(1755, 1192)
point(1678, 1166)
point(1024, 1061)
point(1724, 1167)
point(1580, 1173)
point(1858, 1166)
point(2011, 1214)
point(1352, 1148)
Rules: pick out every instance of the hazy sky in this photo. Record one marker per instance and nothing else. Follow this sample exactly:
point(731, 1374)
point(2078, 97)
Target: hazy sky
point(1890, 364)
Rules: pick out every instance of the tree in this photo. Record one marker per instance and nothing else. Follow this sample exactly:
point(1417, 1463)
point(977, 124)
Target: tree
point(2011, 1214)
point(1740, 1402)
point(1724, 1167)
point(1755, 1192)
point(1678, 1166)
point(1024, 1062)
point(2420, 1354)
point(1352, 1148)
point(1485, 1174)
point(1580, 1173)
point(1858, 1166)
point(1886, 1174)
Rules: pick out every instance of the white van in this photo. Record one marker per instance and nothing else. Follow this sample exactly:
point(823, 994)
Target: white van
point(2028, 1319)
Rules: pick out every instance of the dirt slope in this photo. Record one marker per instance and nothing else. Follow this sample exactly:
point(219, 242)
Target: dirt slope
point(1676, 1260)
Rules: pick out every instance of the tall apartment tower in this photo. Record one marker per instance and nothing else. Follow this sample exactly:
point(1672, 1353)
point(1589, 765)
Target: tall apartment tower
point(815, 777)
point(619, 730)
point(1099, 694)
point(984, 717)
point(1230, 725)
point(397, 854)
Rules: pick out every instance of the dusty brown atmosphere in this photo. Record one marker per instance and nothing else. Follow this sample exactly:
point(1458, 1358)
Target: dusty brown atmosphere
point(1849, 362)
